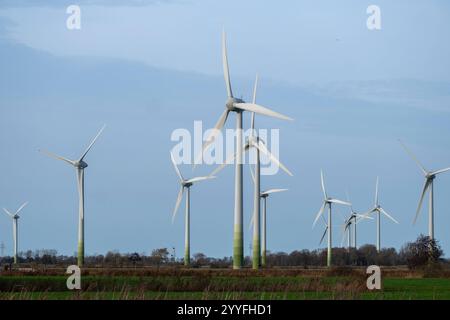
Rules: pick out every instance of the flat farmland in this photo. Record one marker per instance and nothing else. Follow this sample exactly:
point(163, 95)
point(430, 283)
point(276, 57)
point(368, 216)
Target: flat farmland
point(222, 284)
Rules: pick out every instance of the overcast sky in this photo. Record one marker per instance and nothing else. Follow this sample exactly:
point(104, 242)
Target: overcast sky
point(146, 68)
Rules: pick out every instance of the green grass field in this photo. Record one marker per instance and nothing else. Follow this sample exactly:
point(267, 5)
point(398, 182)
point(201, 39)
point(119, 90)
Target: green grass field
point(224, 285)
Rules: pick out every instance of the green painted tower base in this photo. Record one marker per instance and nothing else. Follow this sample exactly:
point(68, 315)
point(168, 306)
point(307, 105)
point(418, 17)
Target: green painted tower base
point(263, 259)
point(238, 249)
point(80, 260)
point(256, 254)
point(187, 257)
point(329, 258)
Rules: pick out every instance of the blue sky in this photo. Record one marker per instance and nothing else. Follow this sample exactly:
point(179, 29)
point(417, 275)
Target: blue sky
point(147, 68)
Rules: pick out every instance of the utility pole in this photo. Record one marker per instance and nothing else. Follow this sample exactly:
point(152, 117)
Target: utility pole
point(2, 249)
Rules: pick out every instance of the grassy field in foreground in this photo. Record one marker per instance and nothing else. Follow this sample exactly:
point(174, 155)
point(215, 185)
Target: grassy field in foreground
point(223, 286)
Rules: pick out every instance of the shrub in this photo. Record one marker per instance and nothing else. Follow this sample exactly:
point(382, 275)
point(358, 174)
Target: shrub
point(422, 252)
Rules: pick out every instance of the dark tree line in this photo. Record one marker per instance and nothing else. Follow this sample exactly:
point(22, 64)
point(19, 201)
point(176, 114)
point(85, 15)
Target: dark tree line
point(419, 253)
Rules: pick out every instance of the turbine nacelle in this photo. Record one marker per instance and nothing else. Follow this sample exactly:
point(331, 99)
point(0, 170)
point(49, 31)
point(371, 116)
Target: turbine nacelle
point(80, 164)
point(252, 139)
point(15, 215)
point(230, 104)
point(186, 184)
point(430, 176)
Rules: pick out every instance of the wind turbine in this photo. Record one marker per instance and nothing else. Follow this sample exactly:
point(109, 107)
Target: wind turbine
point(327, 201)
point(79, 166)
point(379, 210)
point(15, 217)
point(264, 196)
point(428, 185)
point(254, 142)
point(352, 221)
point(237, 106)
point(185, 186)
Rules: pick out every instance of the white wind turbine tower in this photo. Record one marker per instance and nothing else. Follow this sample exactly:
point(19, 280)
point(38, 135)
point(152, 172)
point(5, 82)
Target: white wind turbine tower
point(15, 217)
point(79, 166)
point(428, 185)
point(185, 186)
point(327, 201)
point(237, 106)
point(264, 195)
point(379, 210)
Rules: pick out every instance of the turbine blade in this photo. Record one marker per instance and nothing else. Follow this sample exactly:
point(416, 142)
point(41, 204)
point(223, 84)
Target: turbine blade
point(212, 136)
point(347, 195)
point(323, 236)
point(367, 214)
point(363, 216)
point(272, 191)
point(387, 215)
point(413, 157)
point(319, 213)
point(323, 185)
point(254, 89)
point(340, 202)
point(8, 213)
point(177, 204)
point(441, 171)
point(226, 71)
point(252, 124)
point(228, 160)
point(177, 170)
point(253, 107)
point(324, 221)
point(92, 143)
point(252, 220)
point(52, 155)
point(21, 207)
point(419, 206)
point(261, 147)
point(344, 234)
point(376, 193)
point(348, 200)
point(360, 217)
point(252, 173)
point(197, 179)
